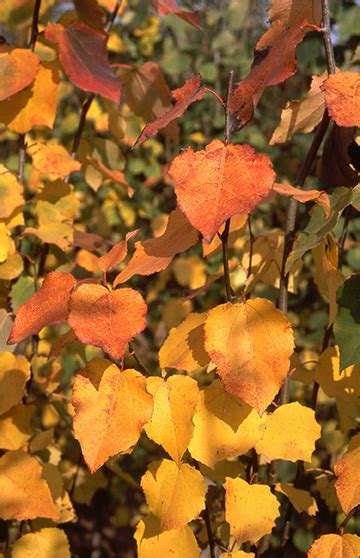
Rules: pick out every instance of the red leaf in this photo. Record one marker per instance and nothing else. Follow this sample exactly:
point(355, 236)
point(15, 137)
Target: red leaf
point(166, 7)
point(192, 90)
point(18, 69)
point(273, 63)
point(223, 180)
point(84, 58)
point(49, 305)
point(107, 319)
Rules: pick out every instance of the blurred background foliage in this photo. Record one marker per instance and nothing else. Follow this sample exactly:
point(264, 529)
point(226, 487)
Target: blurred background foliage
point(97, 204)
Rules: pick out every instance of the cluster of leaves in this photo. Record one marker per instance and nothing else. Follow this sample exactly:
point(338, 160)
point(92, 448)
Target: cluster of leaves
point(154, 408)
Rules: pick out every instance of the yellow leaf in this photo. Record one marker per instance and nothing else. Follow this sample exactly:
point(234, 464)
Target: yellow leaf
point(53, 227)
point(336, 546)
point(12, 267)
point(24, 494)
point(35, 105)
point(42, 544)
point(15, 428)
point(326, 488)
point(177, 543)
point(175, 495)
point(237, 554)
point(61, 498)
point(326, 274)
point(225, 426)
point(14, 373)
point(300, 499)
point(251, 344)
point(250, 509)
point(289, 433)
point(11, 193)
point(7, 245)
point(53, 159)
point(184, 347)
point(190, 272)
point(347, 485)
point(117, 406)
point(41, 440)
point(171, 424)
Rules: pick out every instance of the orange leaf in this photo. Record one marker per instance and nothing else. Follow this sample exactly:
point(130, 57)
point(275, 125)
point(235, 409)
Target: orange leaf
point(116, 176)
point(24, 494)
point(290, 11)
point(348, 483)
point(165, 7)
point(342, 98)
point(18, 69)
point(115, 404)
point(117, 253)
point(303, 196)
point(49, 305)
point(282, 441)
point(156, 254)
point(223, 180)
point(192, 90)
point(84, 58)
point(336, 546)
point(251, 344)
point(274, 62)
point(259, 510)
point(108, 319)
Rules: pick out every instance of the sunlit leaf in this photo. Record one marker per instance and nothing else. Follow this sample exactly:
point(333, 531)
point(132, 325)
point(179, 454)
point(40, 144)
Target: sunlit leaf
point(46, 542)
point(18, 69)
point(339, 546)
point(342, 98)
point(176, 543)
point(347, 484)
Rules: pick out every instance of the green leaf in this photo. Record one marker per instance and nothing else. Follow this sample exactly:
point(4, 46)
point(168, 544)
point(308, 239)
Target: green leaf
point(319, 225)
point(347, 322)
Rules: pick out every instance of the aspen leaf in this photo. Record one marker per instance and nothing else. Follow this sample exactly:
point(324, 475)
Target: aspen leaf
point(342, 98)
point(110, 174)
point(250, 509)
point(116, 407)
point(41, 440)
point(303, 196)
point(12, 267)
point(90, 13)
point(15, 428)
point(342, 384)
point(290, 11)
point(53, 159)
point(339, 546)
point(176, 543)
point(289, 433)
point(192, 90)
point(53, 227)
point(274, 62)
point(24, 494)
point(117, 253)
point(175, 495)
point(61, 498)
point(223, 180)
point(251, 345)
point(42, 544)
point(35, 105)
point(171, 424)
point(300, 499)
point(7, 245)
point(225, 426)
point(237, 554)
point(347, 321)
point(18, 69)
point(301, 116)
point(82, 53)
point(184, 347)
point(156, 254)
point(347, 484)
point(166, 7)
point(11, 193)
point(107, 319)
point(14, 373)
point(49, 305)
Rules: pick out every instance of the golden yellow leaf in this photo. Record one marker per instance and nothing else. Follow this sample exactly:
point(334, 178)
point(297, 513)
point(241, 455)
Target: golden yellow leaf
point(52, 159)
point(24, 494)
point(177, 543)
point(12, 267)
point(116, 405)
point(42, 544)
point(251, 344)
point(15, 428)
point(225, 426)
point(14, 373)
point(289, 433)
point(184, 347)
point(250, 509)
point(190, 272)
point(7, 245)
point(61, 498)
point(300, 499)
point(35, 105)
point(335, 546)
point(171, 424)
point(175, 495)
point(326, 489)
point(326, 274)
point(11, 193)
point(347, 485)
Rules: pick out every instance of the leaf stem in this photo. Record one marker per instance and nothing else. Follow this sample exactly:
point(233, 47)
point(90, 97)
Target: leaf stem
point(34, 25)
point(347, 519)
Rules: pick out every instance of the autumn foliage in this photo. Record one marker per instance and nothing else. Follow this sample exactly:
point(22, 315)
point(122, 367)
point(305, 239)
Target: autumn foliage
point(179, 280)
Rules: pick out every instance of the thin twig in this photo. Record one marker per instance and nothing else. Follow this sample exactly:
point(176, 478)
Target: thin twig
point(138, 360)
point(35, 25)
point(206, 516)
point(347, 519)
point(251, 245)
